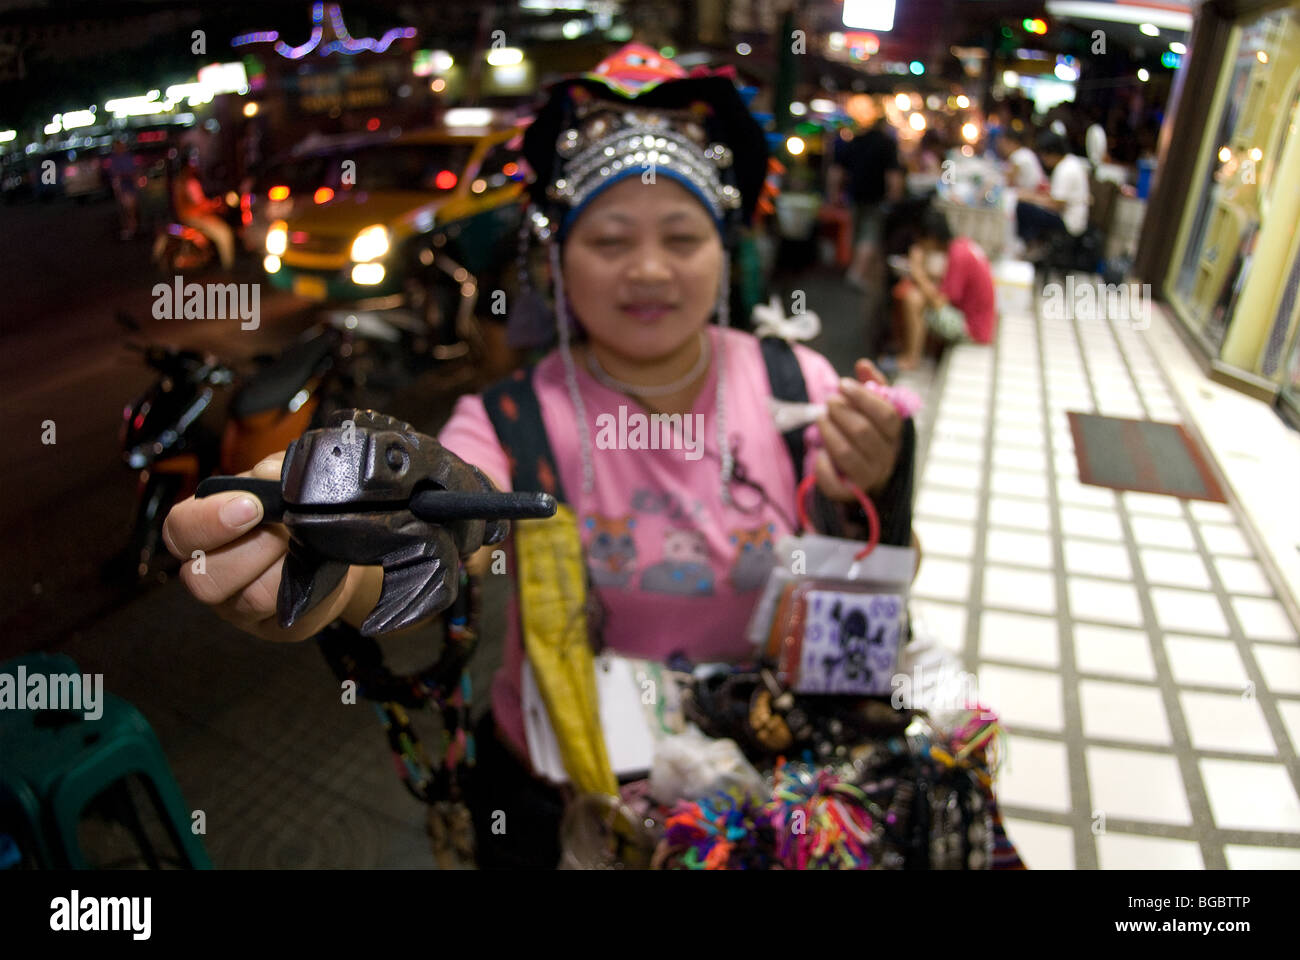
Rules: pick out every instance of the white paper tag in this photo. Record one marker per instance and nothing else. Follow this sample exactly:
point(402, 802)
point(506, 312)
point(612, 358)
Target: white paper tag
point(637, 705)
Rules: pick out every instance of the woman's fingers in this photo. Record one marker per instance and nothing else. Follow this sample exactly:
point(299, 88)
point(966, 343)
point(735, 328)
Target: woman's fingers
point(230, 568)
point(209, 523)
point(828, 481)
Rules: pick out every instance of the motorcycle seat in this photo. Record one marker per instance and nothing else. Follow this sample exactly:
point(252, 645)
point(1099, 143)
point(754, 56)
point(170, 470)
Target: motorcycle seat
point(274, 385)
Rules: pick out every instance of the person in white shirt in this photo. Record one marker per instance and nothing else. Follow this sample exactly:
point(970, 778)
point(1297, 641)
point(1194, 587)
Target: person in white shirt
point(1026, 173)
point(1065, 207)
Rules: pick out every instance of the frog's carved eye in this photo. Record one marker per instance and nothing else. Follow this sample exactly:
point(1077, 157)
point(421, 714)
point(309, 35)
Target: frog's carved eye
point(396, 457)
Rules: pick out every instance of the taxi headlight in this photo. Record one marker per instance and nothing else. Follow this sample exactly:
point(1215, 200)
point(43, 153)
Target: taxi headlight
point(277, 238)
point(370, 244)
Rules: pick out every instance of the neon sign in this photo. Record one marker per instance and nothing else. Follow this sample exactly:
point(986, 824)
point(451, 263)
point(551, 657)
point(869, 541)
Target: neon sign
point(342, 41)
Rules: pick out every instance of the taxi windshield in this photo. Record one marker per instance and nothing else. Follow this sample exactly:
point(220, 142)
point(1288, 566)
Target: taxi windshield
point(410, 166)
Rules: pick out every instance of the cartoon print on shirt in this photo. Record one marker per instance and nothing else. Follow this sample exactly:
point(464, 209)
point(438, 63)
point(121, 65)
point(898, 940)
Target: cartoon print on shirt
point(685, 568)
point(754, 559)
point(611, 550)
point(661, 501)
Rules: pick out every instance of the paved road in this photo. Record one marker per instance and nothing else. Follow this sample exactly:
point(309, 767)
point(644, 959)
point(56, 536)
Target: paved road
point(67, 506)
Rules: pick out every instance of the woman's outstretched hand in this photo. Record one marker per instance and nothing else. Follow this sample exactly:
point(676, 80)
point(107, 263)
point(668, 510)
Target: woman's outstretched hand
point(241, 561)
point(862, 434)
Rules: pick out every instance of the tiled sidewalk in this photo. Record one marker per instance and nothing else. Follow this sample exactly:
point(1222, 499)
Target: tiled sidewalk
point(1133, 644)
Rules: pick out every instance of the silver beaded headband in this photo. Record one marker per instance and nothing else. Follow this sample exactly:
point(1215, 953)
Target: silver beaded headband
point(609, 144)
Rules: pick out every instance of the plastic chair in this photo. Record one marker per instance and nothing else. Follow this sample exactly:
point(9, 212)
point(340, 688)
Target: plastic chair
point(54, 763)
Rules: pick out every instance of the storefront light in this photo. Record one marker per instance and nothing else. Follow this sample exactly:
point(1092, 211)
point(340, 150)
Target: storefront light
point(271, 263)
point(903, 101)
point(794, 146)
point(250, 108)
point(1010, 78)
point(917, 122)
point(1143, 75)
point(1256, 154)
point(1262, 56)
point(1149, 29)
point(970, 132)
point(505, 57)
point(798, 109)
point(1178, 48)
point(1224, 154)
point(744, 49)
point(963, 101)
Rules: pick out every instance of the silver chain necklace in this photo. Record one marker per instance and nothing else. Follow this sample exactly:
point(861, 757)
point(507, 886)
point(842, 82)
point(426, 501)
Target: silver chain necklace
point(657, 390)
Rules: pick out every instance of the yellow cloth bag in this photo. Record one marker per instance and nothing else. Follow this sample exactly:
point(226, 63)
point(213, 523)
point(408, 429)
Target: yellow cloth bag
point(552, 597)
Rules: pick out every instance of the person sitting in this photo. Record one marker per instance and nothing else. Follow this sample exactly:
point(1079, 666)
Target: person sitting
point(195, 209)
point(1026, 173)
point(1063, 210)
point(948, 291)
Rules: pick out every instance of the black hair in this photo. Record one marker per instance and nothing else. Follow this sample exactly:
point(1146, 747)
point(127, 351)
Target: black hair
point(933, 225)
point(1051, 142)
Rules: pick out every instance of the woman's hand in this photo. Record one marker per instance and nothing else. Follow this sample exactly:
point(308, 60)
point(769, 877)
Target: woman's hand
point(242, 560)
point(862, 434)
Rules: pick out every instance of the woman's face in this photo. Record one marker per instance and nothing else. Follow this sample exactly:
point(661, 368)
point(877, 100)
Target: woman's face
point(642, 265)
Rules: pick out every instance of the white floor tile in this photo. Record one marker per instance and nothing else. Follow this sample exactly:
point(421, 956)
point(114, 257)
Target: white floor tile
point(950, 427)
point(1263, 619)
point(1162, 532)
point(1014, 458)
point(1016, 436)
point(1152, 504)
point(1113, 651)
point(1019, 638)
point(943, 579)
point(1018, 416)
point(1020, 514)
point(1185, 611)
point(1070, 490)
point(1198, 662)
point(1241, 857)
point(1209, 511)
point(1087, 522)
point(947, 504)
point(1225, 540)
point(1280, 667)
point(944, 538)
point(945, 621)
point(1104, 601)
point(1042, 846)
point(1243, 576)
point(1290, 711)
point(1136, 785)
point(959, 450)
point(1092, 558)
point(1130, 851)
point(953, 474)
point(1176, 568)
point(1226, 721)
point(1014, 589)
point(1017, 484)
point(1018, 548)
point(1123, 711)
point(1248, 795)
point(1036, 775)
point(1025, 700)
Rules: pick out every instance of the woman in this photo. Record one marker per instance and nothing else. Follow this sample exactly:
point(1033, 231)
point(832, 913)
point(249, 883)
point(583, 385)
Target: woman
point(643, 177)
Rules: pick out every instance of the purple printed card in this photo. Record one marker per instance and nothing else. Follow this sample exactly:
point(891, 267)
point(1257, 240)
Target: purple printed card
point(850, 643)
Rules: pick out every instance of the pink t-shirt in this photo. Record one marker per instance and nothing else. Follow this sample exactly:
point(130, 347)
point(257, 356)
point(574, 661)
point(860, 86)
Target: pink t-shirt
point(968, 285)
point(674, 568)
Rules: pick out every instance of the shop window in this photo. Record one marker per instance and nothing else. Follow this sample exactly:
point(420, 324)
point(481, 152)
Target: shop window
point(1257, 122)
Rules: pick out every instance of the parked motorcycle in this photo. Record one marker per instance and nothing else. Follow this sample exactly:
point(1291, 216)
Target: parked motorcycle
point(198, 418)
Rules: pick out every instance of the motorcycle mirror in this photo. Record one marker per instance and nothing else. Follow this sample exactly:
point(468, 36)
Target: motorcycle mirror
point(125, 319)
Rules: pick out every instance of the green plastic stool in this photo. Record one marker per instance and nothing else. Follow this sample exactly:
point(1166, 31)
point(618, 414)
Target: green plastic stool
point(53, 764)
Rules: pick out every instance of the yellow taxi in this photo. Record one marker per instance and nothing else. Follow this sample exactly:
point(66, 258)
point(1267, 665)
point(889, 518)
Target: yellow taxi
point(420, 221)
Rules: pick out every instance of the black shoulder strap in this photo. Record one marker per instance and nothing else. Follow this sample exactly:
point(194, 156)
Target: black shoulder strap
point(786, 379)
point(511, 405)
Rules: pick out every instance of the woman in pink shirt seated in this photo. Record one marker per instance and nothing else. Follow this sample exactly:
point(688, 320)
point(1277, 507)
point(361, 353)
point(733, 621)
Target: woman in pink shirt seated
point(948, 290)
point(678, 540)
